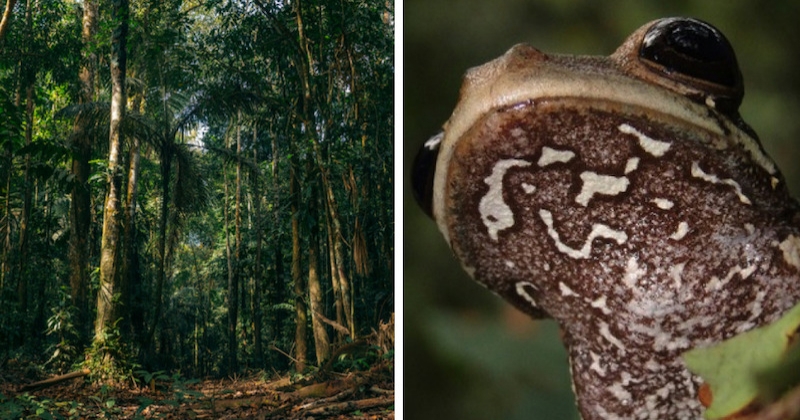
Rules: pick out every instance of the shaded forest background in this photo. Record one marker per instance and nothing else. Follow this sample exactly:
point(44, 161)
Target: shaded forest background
point(473, 356)
point(203, 186)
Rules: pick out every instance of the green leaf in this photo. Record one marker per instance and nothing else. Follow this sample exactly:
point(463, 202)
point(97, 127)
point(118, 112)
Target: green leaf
point(742, 370)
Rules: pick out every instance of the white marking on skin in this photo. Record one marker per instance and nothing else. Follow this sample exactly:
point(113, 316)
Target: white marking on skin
point(653, 366)
point(598, 231)
point(676, 273)
point(697, 172)
point(757, 308)
point(656, 148)
point(495, 213)
point(595, 366)
point(749, 228)
point(520, 286)
point(663, 203)
point(716, 283)
point(693, 323)
point(683, 229)
point(665, 390)
point(632, 273)
point(517, 132)
point(510, 264)
point(550, 156)
point(621, 393)
point(791, 250)
point(600, 303)
point(528, 188)
point(606, 333)
point(594, 183)
point(774, 181)
point(565, 290)
point(710, 102)
point(434, 141)
point(631, 165)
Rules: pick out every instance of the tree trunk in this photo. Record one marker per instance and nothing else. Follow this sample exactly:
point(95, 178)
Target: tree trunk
point(6, 22)
point(109, 247)
point(166, 169)
point(301, 317)
point(335, 285)
point(337, 239)
point(131, 286)
point(276, 283)
point(257, 277)
point(22, 253)
point(4, 264)
point(238, 228)
point(80, 206)
point(321, 341)
point(233, 289)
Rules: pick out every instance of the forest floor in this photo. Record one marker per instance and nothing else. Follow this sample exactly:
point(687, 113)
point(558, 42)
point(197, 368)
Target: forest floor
point(357, 395)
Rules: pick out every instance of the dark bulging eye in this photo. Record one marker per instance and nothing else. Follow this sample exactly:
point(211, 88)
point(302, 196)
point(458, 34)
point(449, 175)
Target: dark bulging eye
point(423, 171)
point(692, 48)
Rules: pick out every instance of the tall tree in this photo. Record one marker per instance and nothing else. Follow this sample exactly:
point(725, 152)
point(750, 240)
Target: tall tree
point(5, 23)
point(109, 247)
point(301, 311)
point(315, 292)
point(80, 205)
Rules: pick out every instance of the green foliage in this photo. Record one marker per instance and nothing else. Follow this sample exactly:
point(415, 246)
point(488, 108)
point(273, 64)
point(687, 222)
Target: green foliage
point(360, 360)
point(750, 368)
point(108, 358)
point(26, 406)
point(61, 325)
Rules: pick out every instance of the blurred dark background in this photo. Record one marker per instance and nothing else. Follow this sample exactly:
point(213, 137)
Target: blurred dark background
point(467, 355)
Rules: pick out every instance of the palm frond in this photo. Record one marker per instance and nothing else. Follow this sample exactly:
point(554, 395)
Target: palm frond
point(191, 188)
point(230, 157)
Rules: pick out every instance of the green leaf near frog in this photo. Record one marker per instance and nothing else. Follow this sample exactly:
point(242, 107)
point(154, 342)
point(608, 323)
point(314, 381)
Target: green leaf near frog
point(750, 370)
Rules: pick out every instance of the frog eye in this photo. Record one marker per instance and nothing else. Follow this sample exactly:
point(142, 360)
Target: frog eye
point(691, 48)
point(423, 172)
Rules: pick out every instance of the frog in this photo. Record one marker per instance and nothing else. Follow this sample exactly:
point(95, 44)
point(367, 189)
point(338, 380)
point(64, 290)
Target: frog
point(624, 197)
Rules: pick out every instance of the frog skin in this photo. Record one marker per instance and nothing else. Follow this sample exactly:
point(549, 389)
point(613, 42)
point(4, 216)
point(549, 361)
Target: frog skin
point(624, 197)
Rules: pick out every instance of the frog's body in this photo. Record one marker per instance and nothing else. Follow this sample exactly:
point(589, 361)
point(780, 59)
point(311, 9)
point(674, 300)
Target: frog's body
point(636, 210)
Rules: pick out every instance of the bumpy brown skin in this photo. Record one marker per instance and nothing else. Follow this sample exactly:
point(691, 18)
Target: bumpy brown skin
point(642, 235)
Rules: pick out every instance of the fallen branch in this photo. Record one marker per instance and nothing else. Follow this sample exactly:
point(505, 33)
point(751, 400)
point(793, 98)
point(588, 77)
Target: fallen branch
point(52, 381)
point(348, 406)
point(336, 326)
point(274, 347)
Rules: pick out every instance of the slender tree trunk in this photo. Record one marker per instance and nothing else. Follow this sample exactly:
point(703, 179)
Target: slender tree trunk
point(6, 21)
point(335, 284)
point(238, 226)
point(257, 277)
point(109, 247)
point(321, 341)
point(166, 169)
point(41, 286)
point(22, 253)
point(338, 241)
point(301, 317)
point(4, 264)
point(233, 289)
point(80, 206)
point(276, 283)
point(132, 282)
